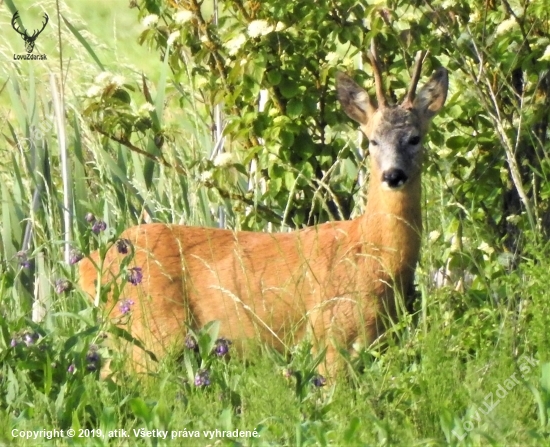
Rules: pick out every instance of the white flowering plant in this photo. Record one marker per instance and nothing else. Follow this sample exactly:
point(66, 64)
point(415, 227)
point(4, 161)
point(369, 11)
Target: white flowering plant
point(271, 69)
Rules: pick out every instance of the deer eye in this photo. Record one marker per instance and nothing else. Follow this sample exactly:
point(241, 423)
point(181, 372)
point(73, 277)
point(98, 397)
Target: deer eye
point(373, 142)
point(413, 141)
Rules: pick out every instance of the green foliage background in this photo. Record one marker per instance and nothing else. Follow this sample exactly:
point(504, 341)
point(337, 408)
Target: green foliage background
point(141, 137)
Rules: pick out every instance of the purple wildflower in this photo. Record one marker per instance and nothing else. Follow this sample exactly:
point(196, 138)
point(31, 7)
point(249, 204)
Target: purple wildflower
point(222, 347)
point(75, 257)
point(23, 259)
point(29, 338)
point(191, 342)
point(71, 369)
point(202, 378)
point(13, 342)
point(99, 226)
point(62, 285)
point(319, 381)
point(123, 246)
point(135, 275)
point(89, 217)
point(126, 306)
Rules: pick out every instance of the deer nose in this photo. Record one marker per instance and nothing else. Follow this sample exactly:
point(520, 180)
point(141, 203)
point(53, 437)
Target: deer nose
point(394, 178)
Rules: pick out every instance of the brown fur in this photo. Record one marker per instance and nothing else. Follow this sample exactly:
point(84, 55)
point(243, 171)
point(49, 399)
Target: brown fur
point(337, 281)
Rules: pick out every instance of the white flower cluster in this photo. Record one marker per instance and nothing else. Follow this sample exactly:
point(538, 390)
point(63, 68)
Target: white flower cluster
point(475, 17)
point(234, 45)
point(145, 108)
point(434, 235)
point(206, 176)
point(513, 218)
point(486, 248)
point(546, 55)
point(223, 159)
point(172, 37)
point(258, 28)
point(102, 81)
point(183, 16)
point(150, 20)
point(505, 26)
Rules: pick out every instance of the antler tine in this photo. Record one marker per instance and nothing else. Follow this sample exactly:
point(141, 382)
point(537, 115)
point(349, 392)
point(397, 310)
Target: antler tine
point(46, 22)
point(411, 93)
point(381, 98)
point(14, 23)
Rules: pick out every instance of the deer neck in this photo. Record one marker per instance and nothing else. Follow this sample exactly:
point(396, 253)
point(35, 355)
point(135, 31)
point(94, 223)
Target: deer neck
point(391, 227)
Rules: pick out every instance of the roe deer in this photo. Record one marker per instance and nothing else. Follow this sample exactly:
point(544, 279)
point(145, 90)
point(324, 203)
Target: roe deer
point(337, 281)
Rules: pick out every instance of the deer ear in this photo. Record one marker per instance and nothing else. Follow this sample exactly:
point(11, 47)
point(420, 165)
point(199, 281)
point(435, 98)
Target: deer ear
point(354, 99)
point(431, 97)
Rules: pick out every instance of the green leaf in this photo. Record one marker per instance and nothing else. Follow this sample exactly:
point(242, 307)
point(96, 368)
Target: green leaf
point(457, 142)
point(140, 409)
point(122, 95)
point(287, 138)
point(274, 77)
point(274, 186)
point(225, 419)
point(289, 179)
point(84, 43)
point(455, 111)
point(353, 426)
point(294, 108)
point(289, 88)
point(207, 339)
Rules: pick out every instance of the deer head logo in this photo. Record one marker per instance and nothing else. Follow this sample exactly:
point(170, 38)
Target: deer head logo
point(29, 40)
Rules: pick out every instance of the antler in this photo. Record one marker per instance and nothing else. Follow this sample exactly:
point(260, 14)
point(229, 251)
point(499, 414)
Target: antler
point(14, 25)
point(381, 98)
point(36, 32)
point(411, 93)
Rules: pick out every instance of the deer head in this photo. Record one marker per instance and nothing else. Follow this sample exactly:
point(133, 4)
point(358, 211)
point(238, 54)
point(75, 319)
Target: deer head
point(395, 132)
point(29, 40)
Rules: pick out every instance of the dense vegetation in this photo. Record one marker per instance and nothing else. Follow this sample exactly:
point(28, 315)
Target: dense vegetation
point(231, 119)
